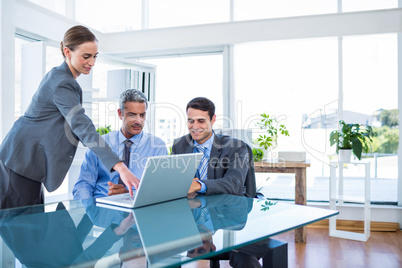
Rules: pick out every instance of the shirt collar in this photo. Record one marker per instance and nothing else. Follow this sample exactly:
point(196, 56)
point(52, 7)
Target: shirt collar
point(208, 143)
point(135, 139)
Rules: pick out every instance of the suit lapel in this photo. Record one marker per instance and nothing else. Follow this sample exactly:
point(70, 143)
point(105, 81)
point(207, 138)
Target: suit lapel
point(214, 157)
point(189, 145)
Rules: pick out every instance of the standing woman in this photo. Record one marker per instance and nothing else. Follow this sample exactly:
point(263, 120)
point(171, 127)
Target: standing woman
point(41, 145)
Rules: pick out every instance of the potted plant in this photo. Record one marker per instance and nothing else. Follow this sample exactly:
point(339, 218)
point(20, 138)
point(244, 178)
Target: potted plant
point(273, 128)
point(104, 130)
point(258, 154)
point(354, 138)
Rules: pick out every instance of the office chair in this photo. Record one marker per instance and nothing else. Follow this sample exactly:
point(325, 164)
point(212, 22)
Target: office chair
point(250, 184)
point(277, 255)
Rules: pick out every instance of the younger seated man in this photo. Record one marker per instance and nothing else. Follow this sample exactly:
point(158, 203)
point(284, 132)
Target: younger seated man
point(131, 143)
point(225, 164)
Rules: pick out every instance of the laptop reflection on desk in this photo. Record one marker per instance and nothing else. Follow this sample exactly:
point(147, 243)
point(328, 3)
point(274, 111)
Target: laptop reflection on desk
point(166, 230)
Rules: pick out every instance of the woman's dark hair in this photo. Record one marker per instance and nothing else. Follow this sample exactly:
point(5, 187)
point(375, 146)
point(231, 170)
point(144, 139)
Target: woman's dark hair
point(202, 104)
point(75, 36)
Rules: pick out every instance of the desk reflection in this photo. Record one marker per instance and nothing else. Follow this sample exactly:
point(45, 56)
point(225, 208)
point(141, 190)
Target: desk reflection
point(51, 239)
point(124, 226)
point(218, 212)
point(164, 233)
point(225, 212)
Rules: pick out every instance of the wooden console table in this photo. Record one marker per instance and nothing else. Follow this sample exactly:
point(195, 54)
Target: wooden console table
point(299, 169)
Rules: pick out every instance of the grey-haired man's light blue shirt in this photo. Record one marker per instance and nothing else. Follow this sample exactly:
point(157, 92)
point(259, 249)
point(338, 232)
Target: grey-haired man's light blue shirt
point(94, 176)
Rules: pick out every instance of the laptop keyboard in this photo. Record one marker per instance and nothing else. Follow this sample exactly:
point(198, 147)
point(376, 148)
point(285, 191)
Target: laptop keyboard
point(129, 198)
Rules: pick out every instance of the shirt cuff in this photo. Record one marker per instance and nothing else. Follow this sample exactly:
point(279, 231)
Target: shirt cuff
point(202, 200)
point(203, 187)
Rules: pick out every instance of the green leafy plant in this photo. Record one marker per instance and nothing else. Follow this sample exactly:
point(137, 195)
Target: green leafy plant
point(104, 130)
point(258, 154)
point(385, 140)
point(352, 136)
point(273, 128)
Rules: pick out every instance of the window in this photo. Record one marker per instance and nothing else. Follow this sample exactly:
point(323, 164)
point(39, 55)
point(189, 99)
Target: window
point(18, 45)
point(180, 79)
point(362, 5)
point(58, 6)
point(109, 16)
point(172, 13)
point(371, 97)
point(297, 82)
point(262, 9)
point(53, 57)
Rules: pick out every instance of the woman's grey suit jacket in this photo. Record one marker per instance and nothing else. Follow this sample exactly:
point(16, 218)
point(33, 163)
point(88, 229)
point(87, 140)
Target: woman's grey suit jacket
point(41, 144)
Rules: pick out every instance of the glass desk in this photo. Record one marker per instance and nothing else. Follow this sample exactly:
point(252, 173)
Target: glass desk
point(85, 234)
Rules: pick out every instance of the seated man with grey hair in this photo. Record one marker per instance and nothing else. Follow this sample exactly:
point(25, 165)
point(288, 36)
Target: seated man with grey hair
point(131, 143)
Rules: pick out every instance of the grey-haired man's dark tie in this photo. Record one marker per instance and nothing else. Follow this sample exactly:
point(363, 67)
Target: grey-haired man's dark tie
point(126, 155)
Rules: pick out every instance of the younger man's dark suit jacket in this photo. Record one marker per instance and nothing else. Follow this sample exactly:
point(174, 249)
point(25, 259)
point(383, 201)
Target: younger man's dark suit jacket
point(228, 163)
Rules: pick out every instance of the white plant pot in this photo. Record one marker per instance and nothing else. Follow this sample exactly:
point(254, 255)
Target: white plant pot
point(269, 154)
point(266, 154)
point(345, 155)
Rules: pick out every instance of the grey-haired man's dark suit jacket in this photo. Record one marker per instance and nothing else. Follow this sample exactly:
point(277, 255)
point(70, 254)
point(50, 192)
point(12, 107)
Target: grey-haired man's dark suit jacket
point(41, 145)
point(228, 163)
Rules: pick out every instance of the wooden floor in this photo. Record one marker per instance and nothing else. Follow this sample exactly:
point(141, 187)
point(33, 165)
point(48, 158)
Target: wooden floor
point(382, 250)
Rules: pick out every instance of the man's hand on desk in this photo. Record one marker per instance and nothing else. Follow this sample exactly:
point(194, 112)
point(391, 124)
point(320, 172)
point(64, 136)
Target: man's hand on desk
point(195, 186)
point(116, 188)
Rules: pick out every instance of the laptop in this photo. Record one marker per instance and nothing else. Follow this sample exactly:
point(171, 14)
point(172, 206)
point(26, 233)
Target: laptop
point(165, 178)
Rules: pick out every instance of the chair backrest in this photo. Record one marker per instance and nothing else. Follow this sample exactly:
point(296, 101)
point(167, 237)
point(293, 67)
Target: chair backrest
point(250, 184)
